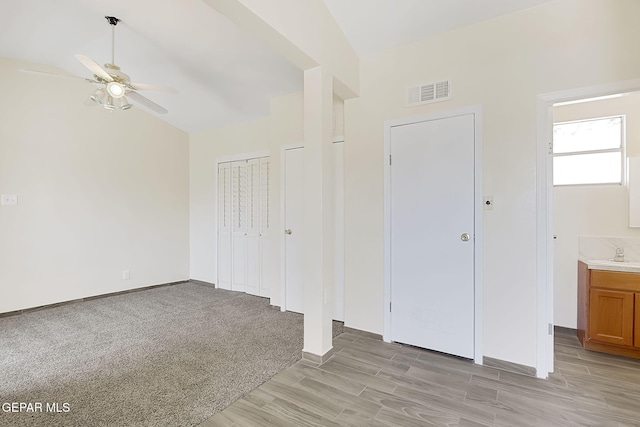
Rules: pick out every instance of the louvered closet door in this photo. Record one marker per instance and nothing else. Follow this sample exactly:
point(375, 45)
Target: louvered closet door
point(224, 226)
point(269, 262)
point(239, 218)
point(253, 227)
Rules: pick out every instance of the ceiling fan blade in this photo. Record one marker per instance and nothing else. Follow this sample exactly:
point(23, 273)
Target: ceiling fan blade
point(48, 74)
point(146, 102)
point(153, 88)
point(94, 67)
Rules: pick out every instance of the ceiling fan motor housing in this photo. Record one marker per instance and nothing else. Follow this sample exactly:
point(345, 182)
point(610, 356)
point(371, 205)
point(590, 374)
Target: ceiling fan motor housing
point(112, 20)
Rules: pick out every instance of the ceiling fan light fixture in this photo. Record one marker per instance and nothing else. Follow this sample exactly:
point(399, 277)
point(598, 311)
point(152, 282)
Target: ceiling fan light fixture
point(115, 89)
point(124, 103)
point(99, 96)
point(110, 104)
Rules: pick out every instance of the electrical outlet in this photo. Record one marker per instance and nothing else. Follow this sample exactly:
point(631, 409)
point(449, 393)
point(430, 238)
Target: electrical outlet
point(9, 200)
point(125, 275)
point(488, 203)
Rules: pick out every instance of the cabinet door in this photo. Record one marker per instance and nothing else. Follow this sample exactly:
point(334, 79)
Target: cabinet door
point(636, 340)
point(611, 316)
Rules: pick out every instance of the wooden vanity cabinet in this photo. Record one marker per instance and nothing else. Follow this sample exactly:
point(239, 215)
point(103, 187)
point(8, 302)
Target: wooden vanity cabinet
point(609, 311)
point(636, 339)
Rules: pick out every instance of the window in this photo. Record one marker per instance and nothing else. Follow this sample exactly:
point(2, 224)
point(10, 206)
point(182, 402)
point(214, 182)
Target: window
point(588, 151)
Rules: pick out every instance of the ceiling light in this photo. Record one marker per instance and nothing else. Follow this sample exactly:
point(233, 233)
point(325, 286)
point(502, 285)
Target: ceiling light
point(115, 89)
point(109, 105)
point(99, 96)
point(124, 103)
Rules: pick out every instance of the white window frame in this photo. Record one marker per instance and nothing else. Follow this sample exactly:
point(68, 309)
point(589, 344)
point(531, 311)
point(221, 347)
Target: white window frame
point(621, 150)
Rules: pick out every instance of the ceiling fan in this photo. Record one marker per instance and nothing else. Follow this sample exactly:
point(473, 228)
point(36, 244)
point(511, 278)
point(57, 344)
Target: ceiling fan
point(114, 85)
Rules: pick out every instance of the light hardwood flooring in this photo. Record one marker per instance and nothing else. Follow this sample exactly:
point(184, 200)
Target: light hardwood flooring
point(371, 383)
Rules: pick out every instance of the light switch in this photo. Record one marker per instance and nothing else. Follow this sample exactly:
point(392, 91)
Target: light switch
point(9, 200)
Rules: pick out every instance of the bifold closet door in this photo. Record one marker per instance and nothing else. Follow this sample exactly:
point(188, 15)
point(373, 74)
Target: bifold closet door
point(247, 262)
point(269, 260)
point(253, 227)
point(239, 218)
point(224, 226)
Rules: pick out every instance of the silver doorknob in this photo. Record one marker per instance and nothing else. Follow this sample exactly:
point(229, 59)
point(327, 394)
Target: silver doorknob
point(465, 237)
point(288, 231)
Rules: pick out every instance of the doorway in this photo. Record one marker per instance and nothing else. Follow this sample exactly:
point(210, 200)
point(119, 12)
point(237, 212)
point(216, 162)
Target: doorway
point(293, 209)
point(433, 232)
point(545, 211)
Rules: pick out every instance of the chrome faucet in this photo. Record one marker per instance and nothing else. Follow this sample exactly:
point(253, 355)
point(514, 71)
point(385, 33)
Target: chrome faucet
point(619, 255)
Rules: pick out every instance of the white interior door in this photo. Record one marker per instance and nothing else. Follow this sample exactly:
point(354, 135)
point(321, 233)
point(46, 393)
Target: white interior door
point(293, 216)
point(432, 234)
point(239, 217)
point(224, 226)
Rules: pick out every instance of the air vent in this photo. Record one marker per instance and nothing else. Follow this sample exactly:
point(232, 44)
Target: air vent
point(428, 93)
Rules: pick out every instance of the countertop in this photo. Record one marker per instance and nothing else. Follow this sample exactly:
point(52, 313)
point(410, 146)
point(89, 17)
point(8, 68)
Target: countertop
point(603, 264)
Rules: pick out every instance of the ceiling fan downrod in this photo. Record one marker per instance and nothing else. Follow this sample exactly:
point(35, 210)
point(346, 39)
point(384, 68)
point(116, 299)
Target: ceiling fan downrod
point(113, 21)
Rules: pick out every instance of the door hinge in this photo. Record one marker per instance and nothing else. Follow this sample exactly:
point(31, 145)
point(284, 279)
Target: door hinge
point(550, 329)
point(389, 306)
point(551, 147)
point(389, 159)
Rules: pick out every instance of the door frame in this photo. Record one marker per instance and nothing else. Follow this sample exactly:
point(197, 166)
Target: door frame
point(478, 241)
point(283, 242)
point(544, 211)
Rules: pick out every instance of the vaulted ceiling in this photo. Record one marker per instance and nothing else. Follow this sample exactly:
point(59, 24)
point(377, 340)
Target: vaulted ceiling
point(224, 75)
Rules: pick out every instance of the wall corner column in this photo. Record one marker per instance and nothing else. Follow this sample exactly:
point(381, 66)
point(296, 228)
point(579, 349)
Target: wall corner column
point(318, 225)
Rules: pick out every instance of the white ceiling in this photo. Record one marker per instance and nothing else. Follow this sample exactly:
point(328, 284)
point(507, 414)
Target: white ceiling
point(224, 75)
point(374, 25)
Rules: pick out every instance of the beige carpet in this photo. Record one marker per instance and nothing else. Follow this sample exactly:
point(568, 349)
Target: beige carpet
point(170, 356)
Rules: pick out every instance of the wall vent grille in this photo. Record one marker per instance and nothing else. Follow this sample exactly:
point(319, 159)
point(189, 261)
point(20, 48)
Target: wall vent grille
point(428, 93)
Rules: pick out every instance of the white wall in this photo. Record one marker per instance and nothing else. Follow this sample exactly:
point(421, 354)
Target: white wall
point(284, 126)
point(98, 193)
point(593, 210)
point(501, 64)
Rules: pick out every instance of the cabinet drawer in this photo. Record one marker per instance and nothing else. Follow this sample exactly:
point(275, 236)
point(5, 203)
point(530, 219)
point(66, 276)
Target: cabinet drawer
point(615, 280)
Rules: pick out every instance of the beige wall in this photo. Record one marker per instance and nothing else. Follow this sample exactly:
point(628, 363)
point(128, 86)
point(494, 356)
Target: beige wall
point(502, 65)
point(592, 210)
point(98, 193)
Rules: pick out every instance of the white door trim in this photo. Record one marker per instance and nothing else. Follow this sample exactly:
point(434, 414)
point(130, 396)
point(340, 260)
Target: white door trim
point(544, 211)
point(478, 218)
point(243, 156)
point(283, 286)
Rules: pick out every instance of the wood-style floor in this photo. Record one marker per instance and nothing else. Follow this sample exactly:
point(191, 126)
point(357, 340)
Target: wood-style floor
point(371, 383)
